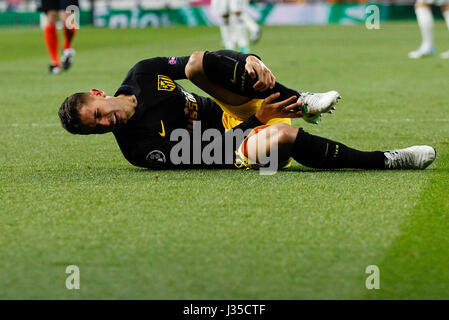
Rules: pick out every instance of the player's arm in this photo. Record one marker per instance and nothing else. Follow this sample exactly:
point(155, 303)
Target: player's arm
point(175, 67)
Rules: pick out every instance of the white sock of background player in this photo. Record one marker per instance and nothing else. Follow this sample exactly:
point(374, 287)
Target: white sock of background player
point(240, 34)
point(226, 34)
point(425, 22)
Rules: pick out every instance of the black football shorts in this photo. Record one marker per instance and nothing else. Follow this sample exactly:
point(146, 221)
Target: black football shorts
point(48, 5)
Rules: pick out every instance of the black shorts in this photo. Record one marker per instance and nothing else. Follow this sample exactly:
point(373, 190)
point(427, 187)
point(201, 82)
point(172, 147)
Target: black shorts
point(210, 114)
point(48, 5)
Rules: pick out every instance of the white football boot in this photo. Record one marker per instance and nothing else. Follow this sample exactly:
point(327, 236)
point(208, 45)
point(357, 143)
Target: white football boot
point(255, 36)
point(444, 55)
point(416, 157)
point(67, 58)
point(421, 53)
point(54, 69)
point(314, 104)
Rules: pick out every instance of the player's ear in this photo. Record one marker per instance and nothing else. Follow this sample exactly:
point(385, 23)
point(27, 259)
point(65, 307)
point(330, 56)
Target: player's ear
point(96, 92)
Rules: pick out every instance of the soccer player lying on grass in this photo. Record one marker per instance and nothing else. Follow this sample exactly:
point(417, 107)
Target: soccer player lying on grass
point(149, 109)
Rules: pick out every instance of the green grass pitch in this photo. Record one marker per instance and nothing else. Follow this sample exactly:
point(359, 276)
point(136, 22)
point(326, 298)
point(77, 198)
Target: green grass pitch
point(299, 234)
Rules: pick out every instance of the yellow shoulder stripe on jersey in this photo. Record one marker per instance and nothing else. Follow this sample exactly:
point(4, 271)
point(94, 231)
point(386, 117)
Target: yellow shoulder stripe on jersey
point(164, 83)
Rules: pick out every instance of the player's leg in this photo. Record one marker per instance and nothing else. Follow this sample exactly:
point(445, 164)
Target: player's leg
point(445, 12)
point(221, 8)
point(69, 33)
point(69, 30)
point(195, 72)
point(321, 153)
point(237, 8)
point(424, 16)
point(313, 151)
point(255, 31)
point(50, 7)
point(266, 144)
point(227, 80)
point(226, 32)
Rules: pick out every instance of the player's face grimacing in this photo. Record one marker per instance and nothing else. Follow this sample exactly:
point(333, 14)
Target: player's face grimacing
point(101, 113)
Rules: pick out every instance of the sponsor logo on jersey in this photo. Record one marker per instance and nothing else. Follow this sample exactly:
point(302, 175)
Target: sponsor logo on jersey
point(234, 79)
point(172, 60)
point(164, 83)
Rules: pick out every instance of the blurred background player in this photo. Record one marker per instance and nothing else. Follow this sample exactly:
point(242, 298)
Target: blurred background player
point(52, 8)
point(235, 23)
point(425, 21)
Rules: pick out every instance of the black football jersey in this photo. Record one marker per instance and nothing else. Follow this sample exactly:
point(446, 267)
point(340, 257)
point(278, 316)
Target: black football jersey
point(162, 106)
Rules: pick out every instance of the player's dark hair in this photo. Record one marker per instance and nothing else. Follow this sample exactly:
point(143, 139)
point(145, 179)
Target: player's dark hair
point(69, 113)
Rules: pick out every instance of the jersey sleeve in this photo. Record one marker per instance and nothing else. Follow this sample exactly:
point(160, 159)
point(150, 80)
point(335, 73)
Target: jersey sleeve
point(173, 67)
point(239, 56)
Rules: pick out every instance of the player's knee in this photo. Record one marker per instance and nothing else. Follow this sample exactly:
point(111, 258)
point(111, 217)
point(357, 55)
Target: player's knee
point(52, 17)
point(194, 66)
point(283, 137)
point(63, 16)
point(285, 133)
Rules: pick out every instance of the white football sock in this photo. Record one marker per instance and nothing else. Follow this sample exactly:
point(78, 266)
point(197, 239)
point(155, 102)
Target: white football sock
point(226, 35)
point(425, 22)
point(240, 34)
